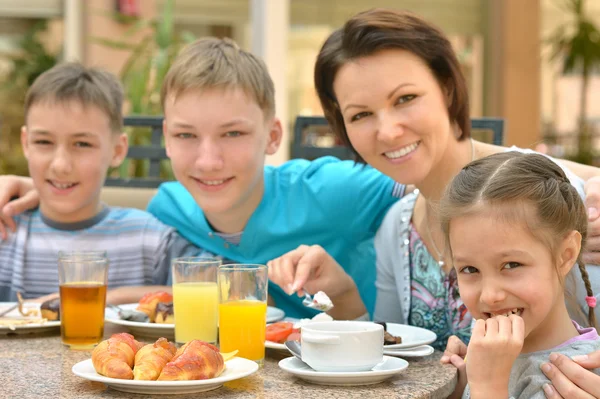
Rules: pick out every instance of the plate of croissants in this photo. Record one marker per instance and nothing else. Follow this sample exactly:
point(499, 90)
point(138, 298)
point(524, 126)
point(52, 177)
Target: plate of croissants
point(126, 365)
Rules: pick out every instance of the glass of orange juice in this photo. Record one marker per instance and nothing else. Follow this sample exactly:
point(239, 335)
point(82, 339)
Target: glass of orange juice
point(82, 287)
point(195, 298)
point(243, 310)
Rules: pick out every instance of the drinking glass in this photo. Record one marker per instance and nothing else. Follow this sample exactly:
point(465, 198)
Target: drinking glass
point(82, 288)
point(243, 310)
point(195, 298)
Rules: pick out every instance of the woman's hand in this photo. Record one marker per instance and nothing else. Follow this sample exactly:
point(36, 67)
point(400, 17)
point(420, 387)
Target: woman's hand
point(455, 353)
point(494, 347)
point(309, 267)
point(27, 198)
point(312, 269)
point(569, 377)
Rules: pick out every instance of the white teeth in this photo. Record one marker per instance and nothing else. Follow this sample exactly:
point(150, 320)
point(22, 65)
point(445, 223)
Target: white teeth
point(402, 151)
point(62, 186)
point(516, 311)
point(213, 182)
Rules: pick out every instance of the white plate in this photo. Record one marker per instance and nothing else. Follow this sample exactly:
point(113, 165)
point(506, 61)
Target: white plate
point(157, 330)
point(234, 369)
point(150, 330)
point(389, 367)
point(26, 328)
point(411, 336)
point(417, 351)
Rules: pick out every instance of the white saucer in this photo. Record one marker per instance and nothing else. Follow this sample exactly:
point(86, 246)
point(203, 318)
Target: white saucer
point(417, 351)
point(389, 367)
point(235, 368)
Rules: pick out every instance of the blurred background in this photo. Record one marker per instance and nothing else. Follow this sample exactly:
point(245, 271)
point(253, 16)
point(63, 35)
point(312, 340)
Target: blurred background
point(532, 63)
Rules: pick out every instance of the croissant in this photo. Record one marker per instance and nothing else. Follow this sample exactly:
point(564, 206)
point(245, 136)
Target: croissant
point(149, 302)
point(150, 360)
point(114, 357)
point(196, 360)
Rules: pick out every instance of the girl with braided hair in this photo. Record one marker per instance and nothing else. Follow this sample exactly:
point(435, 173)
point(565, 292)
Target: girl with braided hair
point(515, 227)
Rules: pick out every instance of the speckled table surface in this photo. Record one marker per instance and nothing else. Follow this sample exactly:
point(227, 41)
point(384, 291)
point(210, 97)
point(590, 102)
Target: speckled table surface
point(39, 366)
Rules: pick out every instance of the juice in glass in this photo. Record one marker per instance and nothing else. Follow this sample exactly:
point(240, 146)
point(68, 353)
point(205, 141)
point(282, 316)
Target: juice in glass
point(82, 313)
point(195, 310)
point(242, 326)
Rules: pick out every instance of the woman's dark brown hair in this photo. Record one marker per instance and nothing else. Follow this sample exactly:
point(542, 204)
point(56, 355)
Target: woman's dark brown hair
point(512, 182)
point(382, 29)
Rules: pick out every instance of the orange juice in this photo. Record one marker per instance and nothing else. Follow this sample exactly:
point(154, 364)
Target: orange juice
point(242, 326)
point(82, 313)
point(195, 310)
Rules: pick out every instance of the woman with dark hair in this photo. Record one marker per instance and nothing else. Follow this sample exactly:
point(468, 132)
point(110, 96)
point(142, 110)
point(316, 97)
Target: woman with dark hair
point(391, 88)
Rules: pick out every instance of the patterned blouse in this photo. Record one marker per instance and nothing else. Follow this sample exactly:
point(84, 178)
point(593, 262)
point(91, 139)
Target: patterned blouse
point(435, 301)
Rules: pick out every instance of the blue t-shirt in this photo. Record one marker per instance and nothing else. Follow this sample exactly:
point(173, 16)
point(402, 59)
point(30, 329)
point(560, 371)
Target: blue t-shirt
point(338, 205)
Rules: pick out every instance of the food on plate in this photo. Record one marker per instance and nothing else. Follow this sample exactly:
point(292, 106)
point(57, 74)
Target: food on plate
point(122, 357)
point(150, 301)
point(321, 301)
point(28, 312)
point(286, 331)
point(51, 309)
point(389, 339)
point(115, 356)
point(151, 359)
point(196, 360)
point(280, 332)
point(164, 313)
point(13, 323)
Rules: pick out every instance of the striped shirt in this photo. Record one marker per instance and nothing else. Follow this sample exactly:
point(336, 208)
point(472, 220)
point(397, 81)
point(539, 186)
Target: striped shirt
point(138, 246)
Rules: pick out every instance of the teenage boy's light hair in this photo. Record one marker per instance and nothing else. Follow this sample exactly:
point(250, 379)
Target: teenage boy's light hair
point(220, 63)
point(88, 86)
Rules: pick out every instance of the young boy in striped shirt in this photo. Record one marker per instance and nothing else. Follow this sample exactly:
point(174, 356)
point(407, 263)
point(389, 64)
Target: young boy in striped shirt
point(71, 137)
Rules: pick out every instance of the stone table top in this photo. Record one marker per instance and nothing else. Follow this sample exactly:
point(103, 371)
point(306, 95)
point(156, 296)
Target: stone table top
point(39, 366)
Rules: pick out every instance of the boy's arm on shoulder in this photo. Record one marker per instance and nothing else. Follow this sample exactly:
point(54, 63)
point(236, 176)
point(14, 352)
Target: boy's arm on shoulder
point(584, 172)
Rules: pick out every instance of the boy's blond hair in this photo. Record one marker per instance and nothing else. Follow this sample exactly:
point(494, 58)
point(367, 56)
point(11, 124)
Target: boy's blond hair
point(220, 63)
point(74, 82)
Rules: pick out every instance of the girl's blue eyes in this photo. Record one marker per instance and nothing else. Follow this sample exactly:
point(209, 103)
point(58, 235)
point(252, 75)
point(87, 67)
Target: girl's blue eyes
point(401, 100)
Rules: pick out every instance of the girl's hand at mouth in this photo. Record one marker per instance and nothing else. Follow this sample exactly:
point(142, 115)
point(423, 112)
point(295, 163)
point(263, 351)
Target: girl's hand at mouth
point(494, 347)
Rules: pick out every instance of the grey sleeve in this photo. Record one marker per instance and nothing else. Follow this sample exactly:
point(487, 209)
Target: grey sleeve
point(526, 378)
point(388, 305)
point(173, 246)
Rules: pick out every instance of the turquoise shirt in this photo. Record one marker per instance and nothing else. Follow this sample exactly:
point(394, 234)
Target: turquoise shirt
point(335, 204)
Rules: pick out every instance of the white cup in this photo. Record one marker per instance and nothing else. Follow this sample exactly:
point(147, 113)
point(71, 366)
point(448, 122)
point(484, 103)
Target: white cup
point(342, 345)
